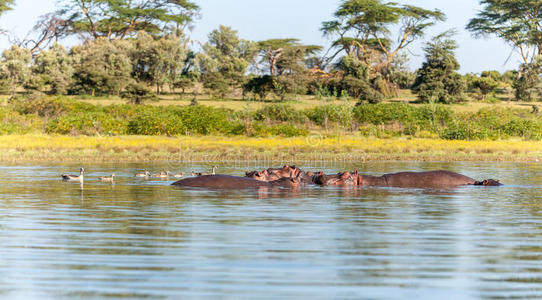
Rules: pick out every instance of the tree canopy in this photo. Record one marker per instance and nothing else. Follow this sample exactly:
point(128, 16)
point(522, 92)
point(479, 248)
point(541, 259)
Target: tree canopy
point(518, 22)
point(118, 19)
point(364, 25)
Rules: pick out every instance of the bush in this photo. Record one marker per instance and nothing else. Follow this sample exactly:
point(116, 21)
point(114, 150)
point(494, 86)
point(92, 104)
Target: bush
point(338, 114)
point(86, 123)
point(156, 123)
point(200, 119)
point(11, 122)
point(279, 112)
point(287, 130)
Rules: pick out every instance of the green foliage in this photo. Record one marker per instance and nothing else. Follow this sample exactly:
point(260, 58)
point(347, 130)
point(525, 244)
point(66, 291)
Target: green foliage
point(85, 123)
point(138, 93)
point(15, 68)
point(160, 61)
point(11, 122)
point(216, 84)
point(259, 85)
point(53, 68)
point(119, 19)
point(437, 79)
point(200, 119)
point(225, 58)
point(331, 114)
point(294, 84)
point(279, 112)
point(156, 123)
point(102, 67)
point(285, 130)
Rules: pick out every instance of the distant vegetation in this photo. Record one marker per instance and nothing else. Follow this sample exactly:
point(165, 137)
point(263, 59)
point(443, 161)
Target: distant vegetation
point(384, 120)
point(138, 50)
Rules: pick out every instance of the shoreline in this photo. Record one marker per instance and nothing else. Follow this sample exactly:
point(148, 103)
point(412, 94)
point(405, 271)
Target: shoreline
point(35, 148)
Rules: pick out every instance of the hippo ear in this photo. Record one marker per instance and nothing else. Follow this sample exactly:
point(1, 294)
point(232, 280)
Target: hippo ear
point(285, 167)
point(246, 173)
point(320, 173)
point(356, 172)
point(293, 167)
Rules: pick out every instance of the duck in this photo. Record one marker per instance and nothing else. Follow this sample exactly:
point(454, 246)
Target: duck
point(67, 177)
point(179, 175)
point(213, 172)
point(107, 178)
point(163, 174)
point(144, 174)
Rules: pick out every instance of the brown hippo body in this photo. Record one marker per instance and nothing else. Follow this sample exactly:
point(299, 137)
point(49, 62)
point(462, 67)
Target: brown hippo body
point(430, 179)
point(233, 182)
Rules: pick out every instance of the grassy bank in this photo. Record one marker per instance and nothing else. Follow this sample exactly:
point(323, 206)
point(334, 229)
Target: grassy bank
point(21, 148)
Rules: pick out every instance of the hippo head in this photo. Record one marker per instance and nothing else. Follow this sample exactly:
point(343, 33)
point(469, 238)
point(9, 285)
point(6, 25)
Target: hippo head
point(488, 182)
point(286, 171)
point(340, 179)
point(258, 175)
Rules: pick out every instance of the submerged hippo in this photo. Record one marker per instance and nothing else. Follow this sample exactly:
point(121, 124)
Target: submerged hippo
point(433, 179)
point(340, 179)
point(234, 182)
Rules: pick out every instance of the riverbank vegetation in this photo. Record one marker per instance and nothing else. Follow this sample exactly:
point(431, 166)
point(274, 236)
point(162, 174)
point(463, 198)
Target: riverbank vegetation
point(136, 75)
point(313, 148)
point(383, 120)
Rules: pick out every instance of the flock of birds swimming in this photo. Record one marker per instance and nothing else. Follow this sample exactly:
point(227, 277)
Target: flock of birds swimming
point(145, 174)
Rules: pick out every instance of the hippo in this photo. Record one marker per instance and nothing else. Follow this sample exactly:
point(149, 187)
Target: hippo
point(429, 179)
point(260, 175)
point(340, 179)
point(273, 174)
point(286, 171)
point(234, 182)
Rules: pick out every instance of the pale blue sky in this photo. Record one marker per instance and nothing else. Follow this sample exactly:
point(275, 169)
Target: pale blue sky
point(258, 20)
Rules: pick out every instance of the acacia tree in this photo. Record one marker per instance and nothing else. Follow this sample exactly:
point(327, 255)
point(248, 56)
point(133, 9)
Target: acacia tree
point(519, 23)
point(363, 28)
point(5, 5)
point(285, 55)
point(119, 19)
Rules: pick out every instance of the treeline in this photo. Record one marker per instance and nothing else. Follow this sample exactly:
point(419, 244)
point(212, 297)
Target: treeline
point(140, 48)
point(62, 116)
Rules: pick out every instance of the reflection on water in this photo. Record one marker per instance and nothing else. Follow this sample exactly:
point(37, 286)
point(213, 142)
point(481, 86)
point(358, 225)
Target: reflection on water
point(145, 239)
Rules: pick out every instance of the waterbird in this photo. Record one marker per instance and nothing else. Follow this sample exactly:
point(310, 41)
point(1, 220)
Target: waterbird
point(163, 174)
point(107, 178)
point(213, 172)
point(67, 177)
point(145, 174)
point(179, 175)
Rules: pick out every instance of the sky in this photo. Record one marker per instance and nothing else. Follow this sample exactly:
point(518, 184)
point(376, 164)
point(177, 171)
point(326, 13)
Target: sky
point(259, 20)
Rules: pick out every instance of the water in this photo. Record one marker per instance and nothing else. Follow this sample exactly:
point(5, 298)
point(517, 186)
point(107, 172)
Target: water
point(141, 239)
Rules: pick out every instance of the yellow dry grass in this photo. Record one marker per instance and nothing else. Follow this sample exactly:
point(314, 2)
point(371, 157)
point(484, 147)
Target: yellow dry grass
point(215, 148)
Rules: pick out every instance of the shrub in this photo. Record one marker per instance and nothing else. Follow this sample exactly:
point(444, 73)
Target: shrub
point(200, 119)
point(155, 123)
point(338, 114)
point(86, 123)
point(279, 112)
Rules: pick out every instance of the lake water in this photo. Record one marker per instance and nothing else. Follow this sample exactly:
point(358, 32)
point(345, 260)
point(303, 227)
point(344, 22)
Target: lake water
point(143, 239)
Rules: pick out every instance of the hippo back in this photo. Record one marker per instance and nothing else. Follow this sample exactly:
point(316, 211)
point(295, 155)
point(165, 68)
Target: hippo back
point(221, 182)
point(434, 179)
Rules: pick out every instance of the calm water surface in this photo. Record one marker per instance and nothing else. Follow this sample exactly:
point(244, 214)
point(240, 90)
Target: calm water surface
point(146, 239)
